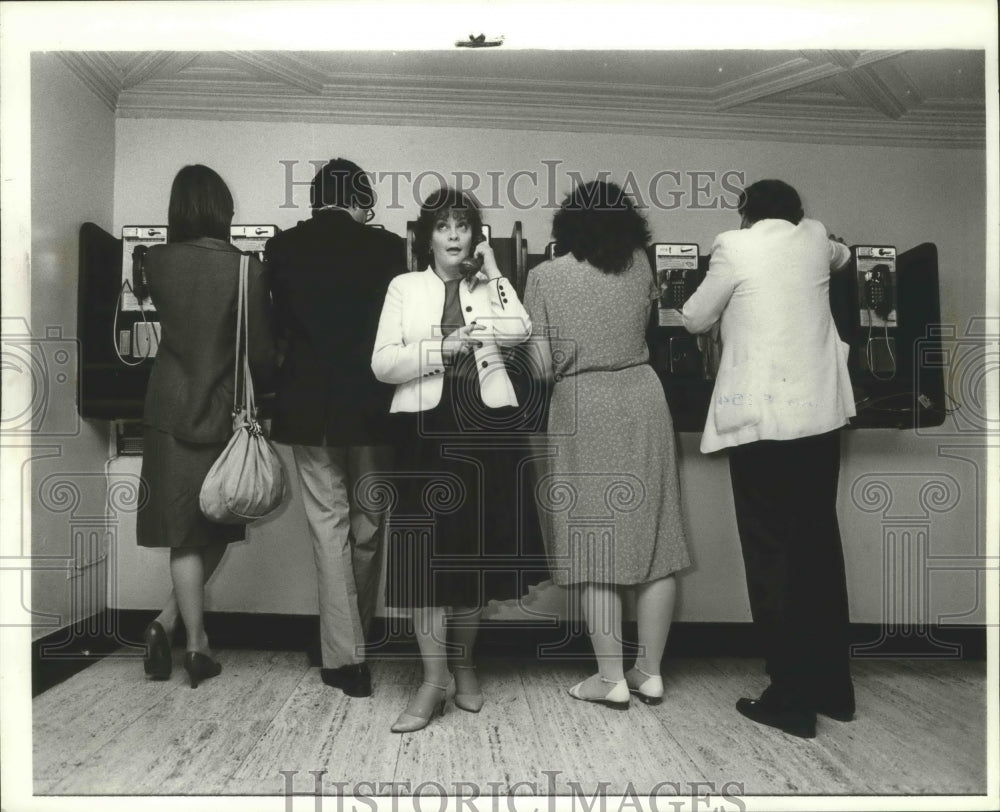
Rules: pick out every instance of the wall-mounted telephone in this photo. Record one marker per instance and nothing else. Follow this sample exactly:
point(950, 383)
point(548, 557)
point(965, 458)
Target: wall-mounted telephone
point(678, 271)
point(676, 287)
point(878, 291)
point(135, 239)
point(876, 285)
point(677, 274)
point(252, 239)
point(138, 341)
point(876, 309)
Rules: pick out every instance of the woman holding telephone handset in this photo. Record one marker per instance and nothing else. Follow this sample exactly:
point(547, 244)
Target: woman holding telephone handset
point(458, 479)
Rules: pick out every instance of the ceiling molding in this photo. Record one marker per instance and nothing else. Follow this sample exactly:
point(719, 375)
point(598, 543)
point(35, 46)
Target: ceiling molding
point(825, 119)
point(286, 68)
point(789, 75)
point(866, 88)
point(833, 96)
point(871, 57)
point(156, 65)
point(97, 71)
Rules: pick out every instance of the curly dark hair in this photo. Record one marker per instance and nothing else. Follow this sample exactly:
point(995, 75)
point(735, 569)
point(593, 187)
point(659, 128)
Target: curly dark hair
point(438, 206)
point(770, 200)
point(200, 205)
point(598, 223)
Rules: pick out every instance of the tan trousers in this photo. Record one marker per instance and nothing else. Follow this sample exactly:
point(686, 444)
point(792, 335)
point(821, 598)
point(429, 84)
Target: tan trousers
point(347, 544)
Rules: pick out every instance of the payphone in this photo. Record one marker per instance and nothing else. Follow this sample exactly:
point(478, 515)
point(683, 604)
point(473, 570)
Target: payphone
point(884, 303)
point(678, 270)
point(116, 317)
point(875, 276)
point(252, 239)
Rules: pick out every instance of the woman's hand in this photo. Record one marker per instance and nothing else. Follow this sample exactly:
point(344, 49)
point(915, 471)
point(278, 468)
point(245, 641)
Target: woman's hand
point(461, 341)
point(490, 267)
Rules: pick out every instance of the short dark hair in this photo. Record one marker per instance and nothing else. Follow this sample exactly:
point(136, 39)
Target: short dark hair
point(440, 205)
point(200, 205)
point(341, 183)
point(598, 223)
point(770, 200)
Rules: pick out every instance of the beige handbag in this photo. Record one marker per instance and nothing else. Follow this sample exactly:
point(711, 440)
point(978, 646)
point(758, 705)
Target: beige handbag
point(247, 481)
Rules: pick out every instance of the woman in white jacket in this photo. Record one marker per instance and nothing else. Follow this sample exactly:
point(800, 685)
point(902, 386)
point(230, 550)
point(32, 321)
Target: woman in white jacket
point(463, 529)
point(781, 395)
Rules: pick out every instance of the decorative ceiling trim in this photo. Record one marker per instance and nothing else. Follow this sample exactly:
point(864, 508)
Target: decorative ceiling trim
point(825, 119)
point(97, 71)
point(286, 68)
point(156, 65)
point(784, 77)
point(810, 67)
point(882, 104)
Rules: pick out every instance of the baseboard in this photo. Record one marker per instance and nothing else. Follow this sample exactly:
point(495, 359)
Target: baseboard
point(59, 655)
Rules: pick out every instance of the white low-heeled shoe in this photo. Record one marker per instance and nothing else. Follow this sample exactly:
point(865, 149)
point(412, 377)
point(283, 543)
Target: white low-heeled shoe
point(473, 703)
point(412, 722)
point(617, 696)
point(649, 690)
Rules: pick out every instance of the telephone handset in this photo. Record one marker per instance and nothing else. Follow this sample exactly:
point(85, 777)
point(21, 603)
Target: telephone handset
point(878, 290)
point(473, 264)
point(139, 286)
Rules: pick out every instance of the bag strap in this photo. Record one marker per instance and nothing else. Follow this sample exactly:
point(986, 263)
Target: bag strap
point(242, 345)
point(248, 395)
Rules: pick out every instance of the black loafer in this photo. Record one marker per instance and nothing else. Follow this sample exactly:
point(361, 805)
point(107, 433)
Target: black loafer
point(794, 721)
point(353, 680)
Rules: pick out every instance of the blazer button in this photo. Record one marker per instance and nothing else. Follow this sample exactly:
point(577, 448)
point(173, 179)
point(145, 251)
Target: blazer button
point(468, 308)
point(486, 363)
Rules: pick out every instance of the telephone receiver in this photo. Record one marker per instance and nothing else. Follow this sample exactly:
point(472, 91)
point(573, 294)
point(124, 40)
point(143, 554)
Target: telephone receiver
point(139, 286)
point(472, 265)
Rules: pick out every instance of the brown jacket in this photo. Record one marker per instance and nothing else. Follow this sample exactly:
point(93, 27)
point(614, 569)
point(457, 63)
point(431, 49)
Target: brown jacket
point(194, 288)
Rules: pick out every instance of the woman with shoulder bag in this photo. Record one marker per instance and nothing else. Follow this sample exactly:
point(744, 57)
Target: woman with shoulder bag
point(194, 284)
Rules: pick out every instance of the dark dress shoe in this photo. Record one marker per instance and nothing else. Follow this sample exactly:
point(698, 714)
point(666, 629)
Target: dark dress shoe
point(157, 663)
point(836, 701)
point(796, 721)
point(200, 667)
point(838, 713)
point(353, 680)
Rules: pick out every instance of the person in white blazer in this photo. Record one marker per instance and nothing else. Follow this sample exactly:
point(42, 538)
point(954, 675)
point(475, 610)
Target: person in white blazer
point(781, 394)
point(440, 340)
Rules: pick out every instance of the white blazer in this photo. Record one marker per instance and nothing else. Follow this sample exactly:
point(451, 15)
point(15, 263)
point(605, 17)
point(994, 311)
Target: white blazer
point(408, 343)
point(783, 372)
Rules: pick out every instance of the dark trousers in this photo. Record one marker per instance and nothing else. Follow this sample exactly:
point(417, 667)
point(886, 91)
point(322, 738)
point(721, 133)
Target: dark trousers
point(785, 494)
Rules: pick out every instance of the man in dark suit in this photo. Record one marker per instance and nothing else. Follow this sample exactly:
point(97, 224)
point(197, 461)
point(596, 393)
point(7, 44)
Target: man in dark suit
point(329, 276)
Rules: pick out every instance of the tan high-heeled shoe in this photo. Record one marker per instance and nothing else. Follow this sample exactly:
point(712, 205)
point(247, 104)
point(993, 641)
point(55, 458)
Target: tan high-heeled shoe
point(617, 696)
point(473, 703)
point(409, 722)
point(647, 687)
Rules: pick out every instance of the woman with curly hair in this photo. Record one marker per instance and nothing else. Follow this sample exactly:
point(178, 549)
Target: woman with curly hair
point(609, 499)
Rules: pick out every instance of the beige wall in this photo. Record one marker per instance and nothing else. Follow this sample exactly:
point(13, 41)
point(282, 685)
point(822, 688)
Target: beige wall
point(72, 172)
point(865, 193)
